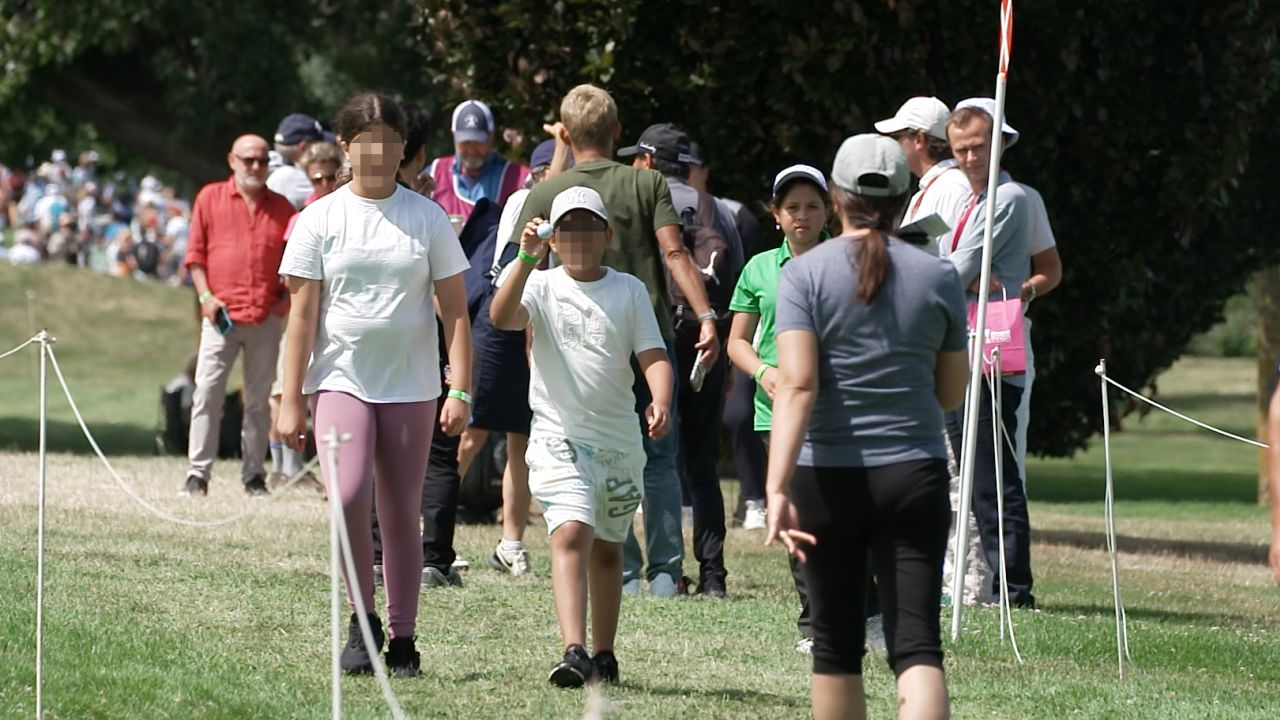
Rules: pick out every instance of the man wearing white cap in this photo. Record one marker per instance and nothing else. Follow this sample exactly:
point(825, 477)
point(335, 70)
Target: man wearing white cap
point(474, 171)
point(920, 127)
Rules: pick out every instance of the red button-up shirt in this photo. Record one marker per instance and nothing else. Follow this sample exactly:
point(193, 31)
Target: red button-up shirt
point(239, 249)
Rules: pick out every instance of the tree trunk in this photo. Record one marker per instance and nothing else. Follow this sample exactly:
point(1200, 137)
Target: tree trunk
point(1268, 354)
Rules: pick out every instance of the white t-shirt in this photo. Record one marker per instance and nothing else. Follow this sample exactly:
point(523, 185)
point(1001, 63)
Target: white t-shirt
point(506, 229)
point(1041, 232)
point(943, 190)
point(378, 260)
point(584, 335)
point(291, 181)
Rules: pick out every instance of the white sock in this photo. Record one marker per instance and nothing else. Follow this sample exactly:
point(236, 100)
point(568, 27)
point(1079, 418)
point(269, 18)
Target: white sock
point(292, 461)
point(277, 452)
point(510, 546)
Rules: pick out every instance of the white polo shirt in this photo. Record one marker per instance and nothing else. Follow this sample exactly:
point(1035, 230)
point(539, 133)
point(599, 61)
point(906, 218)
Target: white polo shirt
point(943, 190)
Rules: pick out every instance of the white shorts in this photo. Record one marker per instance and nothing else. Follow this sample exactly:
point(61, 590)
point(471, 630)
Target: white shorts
point(593, 486)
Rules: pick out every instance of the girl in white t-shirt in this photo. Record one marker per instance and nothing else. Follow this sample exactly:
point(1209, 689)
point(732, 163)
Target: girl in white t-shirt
point(366, 266)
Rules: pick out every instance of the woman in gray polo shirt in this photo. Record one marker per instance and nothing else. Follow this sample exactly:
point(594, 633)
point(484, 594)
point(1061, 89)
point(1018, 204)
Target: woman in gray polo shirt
point(871, 347)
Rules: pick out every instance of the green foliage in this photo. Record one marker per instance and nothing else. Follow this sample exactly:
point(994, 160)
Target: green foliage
point(1236, 335)
point(1138, 119)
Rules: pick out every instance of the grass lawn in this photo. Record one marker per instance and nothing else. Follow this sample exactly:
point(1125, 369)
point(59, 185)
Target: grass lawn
point(149, 620)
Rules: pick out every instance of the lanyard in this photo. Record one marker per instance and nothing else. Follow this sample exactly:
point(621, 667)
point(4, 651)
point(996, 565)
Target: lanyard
point(915, 206)
point(964, 220)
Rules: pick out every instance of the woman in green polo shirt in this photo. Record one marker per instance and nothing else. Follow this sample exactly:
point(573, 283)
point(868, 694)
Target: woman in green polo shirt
point(801, 207)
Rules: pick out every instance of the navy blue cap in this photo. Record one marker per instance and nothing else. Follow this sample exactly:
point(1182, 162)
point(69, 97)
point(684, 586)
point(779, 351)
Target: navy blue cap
point(299, 127)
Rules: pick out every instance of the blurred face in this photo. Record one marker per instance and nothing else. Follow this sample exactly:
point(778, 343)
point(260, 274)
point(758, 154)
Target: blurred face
point(375, 155)
point(971, 147)
point(473, 155)
point(698, 176)
point(248, 160)
point(323, 177)
point(580, 240)
point(914, 145)
point(802, 214)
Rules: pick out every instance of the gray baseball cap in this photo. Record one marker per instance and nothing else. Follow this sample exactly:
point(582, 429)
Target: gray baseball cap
point(872, 165)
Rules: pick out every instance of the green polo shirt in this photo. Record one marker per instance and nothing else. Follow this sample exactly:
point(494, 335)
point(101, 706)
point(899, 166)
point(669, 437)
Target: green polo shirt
point(757, 292)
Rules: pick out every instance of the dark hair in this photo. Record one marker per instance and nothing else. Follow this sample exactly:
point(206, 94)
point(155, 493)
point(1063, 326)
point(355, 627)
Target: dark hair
point(871, 253)
point(363, 110)
point(670, 169)
point(938, 149)
point(416, 130)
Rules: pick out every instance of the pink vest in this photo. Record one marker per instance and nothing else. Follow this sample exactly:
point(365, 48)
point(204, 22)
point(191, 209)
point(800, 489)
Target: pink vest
point(450, 198)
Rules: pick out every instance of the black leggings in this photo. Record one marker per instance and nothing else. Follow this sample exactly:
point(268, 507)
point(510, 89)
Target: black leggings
point(900, 513)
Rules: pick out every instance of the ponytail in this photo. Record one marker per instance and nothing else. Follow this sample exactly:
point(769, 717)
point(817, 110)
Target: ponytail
point(872, 262)
point(869, 255)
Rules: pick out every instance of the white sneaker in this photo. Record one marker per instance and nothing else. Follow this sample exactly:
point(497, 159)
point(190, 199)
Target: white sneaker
point(805, 646)
point(875, 634)
point(662, 586)
point(754, 518)
point(631, 588)
point(460, 564)
point(516, 563)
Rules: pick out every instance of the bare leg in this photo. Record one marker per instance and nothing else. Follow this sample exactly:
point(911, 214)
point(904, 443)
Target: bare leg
point(470, 445)
point(922, 694)
point(838, 697)
point(515, 489)
point(570, 548)
point(606, 593)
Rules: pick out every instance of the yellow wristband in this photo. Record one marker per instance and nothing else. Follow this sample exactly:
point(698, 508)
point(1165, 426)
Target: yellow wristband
point(205, 295)
point(460, 395)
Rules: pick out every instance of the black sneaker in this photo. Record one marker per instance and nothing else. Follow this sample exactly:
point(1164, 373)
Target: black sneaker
point(574, 670)
point(403, 660)
point(356, 658)
point(711, 586)
point(256, 486)
point(194, 486)
point(604, 667)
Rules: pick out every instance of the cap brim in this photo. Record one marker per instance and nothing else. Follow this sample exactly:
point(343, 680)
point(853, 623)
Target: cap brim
point(797, 175)
point(629, 151)
point(555, 220)
point(890, 126)
point(477, 136)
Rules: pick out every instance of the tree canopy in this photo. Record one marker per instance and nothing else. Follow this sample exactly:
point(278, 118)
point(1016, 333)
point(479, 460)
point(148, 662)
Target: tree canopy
point(1141, 121)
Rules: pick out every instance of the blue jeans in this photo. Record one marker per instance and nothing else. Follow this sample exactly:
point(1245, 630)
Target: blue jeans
point(664, 542)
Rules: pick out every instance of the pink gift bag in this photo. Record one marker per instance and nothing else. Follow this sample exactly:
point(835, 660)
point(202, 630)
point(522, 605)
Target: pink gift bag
point(1004, 330)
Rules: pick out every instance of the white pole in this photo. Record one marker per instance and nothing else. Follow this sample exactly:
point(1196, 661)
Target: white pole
point(335, 571)
point(970, 440)
point(1122, 631)
point(44, 408)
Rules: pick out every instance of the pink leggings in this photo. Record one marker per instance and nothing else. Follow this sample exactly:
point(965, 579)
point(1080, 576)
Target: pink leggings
point(393, 439)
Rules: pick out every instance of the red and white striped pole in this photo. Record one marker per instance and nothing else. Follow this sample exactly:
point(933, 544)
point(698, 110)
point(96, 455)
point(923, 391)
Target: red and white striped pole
point(970, 439)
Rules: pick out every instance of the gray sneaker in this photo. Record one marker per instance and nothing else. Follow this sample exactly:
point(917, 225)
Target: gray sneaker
point(433, 578)
point(194, 486)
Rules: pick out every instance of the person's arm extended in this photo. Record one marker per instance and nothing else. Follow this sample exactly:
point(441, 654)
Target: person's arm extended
point(452, 300)
point(797, 390)
point(686, 277)
point(657, 375)
point(1273, 480)
point(743, 354)
point(950, 378)
point(300, 340)
point(506, 312)
point(1046, 274)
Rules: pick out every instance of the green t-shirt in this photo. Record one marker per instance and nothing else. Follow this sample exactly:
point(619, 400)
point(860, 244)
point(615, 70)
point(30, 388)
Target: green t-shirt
point(757, 292)
point(639, 203)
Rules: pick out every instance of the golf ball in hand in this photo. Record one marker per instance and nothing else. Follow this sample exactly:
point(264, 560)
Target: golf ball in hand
point(545, 230)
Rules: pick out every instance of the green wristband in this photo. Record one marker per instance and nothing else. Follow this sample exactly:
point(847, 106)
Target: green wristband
point(460, 395)
point(526, 257)
point(205, 295)
point(760, 371)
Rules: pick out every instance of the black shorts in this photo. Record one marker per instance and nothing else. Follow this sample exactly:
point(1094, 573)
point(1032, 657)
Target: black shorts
point(502, 378)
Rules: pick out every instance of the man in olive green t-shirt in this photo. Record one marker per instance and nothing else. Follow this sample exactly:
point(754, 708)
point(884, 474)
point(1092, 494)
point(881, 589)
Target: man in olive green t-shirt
point(646, 236)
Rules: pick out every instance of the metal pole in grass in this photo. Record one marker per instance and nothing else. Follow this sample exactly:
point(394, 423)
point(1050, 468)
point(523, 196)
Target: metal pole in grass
point(335, 569)
point(45, 341)
point(970, 441)
point(1109, 505)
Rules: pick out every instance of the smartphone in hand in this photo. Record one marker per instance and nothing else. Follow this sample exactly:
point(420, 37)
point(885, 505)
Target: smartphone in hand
point(699, 374)
point(222, 321)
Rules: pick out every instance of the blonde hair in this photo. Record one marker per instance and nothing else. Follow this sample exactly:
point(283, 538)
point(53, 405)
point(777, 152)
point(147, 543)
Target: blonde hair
point(321, 152)
point(589, 114)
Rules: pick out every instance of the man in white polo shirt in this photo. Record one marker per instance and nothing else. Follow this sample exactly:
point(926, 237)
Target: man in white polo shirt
point(920, 127)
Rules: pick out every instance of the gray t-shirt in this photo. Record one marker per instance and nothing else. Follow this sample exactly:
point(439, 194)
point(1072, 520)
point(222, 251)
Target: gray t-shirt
point(684, 196)
point(875, 402)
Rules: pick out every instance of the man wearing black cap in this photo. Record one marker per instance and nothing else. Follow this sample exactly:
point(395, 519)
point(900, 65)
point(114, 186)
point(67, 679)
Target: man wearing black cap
point(665, 148)
point(294, 134)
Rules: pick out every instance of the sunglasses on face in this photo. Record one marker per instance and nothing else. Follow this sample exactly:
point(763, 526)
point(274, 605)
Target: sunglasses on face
point(318, 178)
point(252, 160)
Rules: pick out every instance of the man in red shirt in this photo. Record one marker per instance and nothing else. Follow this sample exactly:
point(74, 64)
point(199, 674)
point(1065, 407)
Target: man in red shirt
point(233, 254)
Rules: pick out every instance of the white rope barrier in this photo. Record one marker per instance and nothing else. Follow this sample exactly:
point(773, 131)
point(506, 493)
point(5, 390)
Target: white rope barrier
point(994, 384)
point(34, 338)
point(333, 439)
point(1101, 370)
point(150, 507)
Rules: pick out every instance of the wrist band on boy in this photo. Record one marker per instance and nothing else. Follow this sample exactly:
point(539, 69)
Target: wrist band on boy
point(527, 258)
point(760, 371)
point(460, 395)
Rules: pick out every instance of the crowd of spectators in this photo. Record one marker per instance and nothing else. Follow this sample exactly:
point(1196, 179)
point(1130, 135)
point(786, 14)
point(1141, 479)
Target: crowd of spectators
point(76, 214)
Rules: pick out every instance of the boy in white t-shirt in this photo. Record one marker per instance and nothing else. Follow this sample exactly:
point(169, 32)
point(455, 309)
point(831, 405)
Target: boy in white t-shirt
point(586, 455)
